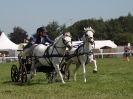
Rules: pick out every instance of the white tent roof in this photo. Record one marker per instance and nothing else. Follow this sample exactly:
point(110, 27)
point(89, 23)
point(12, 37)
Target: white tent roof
point(98, 44)
point(6, 44)
point(105, 43)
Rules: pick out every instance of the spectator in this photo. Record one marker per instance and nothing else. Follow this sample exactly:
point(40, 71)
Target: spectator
point(127, 52)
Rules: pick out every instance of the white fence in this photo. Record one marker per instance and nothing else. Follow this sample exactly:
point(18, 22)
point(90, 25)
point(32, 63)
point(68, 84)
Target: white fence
point(8, 59)
point(118, 52)
point(99, 55)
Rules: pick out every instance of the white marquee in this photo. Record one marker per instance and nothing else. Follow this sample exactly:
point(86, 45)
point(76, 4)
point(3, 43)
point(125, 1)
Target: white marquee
point(6, 44)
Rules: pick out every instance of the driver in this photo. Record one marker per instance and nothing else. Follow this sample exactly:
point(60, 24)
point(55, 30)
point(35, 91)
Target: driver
point(40, 37)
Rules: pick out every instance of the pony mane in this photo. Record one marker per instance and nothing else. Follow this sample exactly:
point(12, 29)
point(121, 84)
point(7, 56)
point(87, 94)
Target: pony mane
point(57, 38)
point(67, 34)
point(89, 29)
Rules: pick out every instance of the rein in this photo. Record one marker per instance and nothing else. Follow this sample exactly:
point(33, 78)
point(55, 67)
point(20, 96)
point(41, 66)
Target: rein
point(77, 53)
point(48, 55)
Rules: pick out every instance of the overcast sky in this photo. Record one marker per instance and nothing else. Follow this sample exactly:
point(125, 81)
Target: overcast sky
point(30, 14)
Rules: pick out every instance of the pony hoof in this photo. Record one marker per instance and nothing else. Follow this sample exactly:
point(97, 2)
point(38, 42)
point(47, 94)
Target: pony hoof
point(63, 82)
point(94, 71)
point(85, 81)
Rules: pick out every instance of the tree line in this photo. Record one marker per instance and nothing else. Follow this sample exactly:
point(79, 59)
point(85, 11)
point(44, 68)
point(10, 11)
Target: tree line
point(119, 30)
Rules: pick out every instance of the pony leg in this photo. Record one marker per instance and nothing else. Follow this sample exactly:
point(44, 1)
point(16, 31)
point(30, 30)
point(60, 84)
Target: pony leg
point(95, 66)
point(67, 63)
point(75, 72)
point(33, 70)
point(84, 71)
point(92, 59)
point(58, 70)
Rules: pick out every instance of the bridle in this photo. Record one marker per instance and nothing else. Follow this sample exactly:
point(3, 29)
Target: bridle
point(64, 42)
point(88, 38)
point(55, 47)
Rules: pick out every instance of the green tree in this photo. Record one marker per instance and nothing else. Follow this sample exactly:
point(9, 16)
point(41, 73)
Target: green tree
point(54, 29)
point(18, 35)
point(117, 29)
point(123, 38)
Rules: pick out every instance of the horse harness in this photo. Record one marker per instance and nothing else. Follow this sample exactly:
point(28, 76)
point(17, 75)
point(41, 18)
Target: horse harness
point(47, 55)
point(77, 53)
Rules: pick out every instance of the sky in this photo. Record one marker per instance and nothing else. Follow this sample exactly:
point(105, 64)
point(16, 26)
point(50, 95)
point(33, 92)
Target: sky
point(31, 14)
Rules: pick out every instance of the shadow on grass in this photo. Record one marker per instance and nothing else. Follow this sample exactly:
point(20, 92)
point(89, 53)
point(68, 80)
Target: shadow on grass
point(32, 82)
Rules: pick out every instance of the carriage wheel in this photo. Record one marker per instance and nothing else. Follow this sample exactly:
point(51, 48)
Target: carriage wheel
point(14, 73)
point(23, 73)
point(65, 71)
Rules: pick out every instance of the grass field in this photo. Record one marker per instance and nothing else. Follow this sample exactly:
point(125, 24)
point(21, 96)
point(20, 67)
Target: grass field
point(114, 80)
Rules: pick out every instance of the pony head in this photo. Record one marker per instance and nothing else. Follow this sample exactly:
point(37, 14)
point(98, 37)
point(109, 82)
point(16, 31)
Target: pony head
point(64, 40)
point(89, 29)
point(67, 39)
point(88, 36)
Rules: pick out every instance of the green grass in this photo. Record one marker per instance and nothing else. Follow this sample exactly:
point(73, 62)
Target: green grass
point(114, 80)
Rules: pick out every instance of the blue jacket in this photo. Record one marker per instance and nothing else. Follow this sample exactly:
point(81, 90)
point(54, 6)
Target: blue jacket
point(47, 39)
point(40, 40)
point(35, 39)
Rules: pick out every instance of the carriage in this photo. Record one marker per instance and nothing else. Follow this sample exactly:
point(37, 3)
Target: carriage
point(57, 58)
point(19, 73)
point(49, 56)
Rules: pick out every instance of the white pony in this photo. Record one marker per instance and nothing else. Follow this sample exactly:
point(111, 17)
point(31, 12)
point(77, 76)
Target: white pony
point(83, 53)
point(55, 53)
